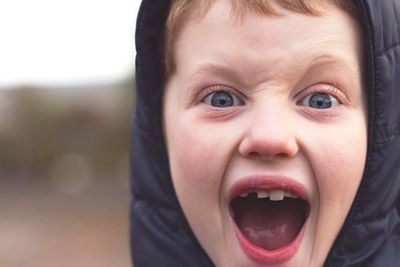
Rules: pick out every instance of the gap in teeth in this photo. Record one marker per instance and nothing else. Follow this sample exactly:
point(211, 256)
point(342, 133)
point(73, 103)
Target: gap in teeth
point(274, 195)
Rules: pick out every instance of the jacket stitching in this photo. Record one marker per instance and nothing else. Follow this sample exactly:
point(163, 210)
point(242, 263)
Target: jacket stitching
point(387, 50)
point(390, 132)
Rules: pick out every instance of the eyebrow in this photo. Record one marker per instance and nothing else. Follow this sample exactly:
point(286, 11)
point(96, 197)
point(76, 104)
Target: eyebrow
point(227, 72)
point(212, 71)
point(328, 59)
point(211, 68)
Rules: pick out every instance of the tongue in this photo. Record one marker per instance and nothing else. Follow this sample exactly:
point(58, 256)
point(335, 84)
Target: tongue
point(269, 224)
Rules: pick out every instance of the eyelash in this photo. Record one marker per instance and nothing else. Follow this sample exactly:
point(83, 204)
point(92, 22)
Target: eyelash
point(324, 89)
point(219, 88)
point(321, 114)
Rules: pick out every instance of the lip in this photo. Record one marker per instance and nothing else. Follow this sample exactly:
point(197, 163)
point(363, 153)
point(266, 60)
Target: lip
point(257, 254)
point(268, 183)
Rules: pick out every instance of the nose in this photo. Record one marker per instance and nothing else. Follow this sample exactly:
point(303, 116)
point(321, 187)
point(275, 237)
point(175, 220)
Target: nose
point(269, 134)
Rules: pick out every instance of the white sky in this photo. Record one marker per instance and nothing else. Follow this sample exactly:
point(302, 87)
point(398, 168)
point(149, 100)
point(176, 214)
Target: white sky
point(62, 42)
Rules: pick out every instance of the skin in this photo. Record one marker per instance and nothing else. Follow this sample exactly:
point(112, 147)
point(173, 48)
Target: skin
point(270, 65)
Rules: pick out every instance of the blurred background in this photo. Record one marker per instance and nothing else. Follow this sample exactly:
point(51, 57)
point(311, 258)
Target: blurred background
point(66, 97)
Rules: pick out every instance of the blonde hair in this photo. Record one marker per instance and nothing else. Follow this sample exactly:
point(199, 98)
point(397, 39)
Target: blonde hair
point(180, 10)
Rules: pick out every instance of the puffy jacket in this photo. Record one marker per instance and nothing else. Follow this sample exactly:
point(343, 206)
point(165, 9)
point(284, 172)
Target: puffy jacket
point(370, 236)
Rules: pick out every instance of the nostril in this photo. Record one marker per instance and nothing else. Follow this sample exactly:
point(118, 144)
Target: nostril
point(266, 148)
point(255, 155)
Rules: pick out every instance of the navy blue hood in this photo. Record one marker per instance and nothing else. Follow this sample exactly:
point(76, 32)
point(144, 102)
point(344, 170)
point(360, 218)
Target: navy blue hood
point(370, 236)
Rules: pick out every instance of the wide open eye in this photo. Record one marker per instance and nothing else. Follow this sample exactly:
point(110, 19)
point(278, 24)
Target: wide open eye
point(222, 99)
point(319, 101)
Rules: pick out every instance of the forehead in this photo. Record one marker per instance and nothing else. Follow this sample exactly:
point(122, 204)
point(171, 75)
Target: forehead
point(258, 40)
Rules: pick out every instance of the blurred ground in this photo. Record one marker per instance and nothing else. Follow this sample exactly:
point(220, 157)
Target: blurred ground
point(64, 194)
point(40, 228)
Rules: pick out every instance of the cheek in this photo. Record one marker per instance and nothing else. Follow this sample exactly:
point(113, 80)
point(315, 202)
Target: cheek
point(197, 163)
point(341, 174)
point(198, 158)
point(339, 166)
point(337, 155)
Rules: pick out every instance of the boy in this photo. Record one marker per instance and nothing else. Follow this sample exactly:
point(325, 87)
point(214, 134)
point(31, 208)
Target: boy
point(259, 122)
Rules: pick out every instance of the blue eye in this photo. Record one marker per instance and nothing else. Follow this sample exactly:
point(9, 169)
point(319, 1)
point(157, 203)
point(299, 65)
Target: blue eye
point(319, 101)
point(222, 99)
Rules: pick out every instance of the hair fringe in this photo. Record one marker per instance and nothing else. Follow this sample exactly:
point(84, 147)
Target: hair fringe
point(181, 10)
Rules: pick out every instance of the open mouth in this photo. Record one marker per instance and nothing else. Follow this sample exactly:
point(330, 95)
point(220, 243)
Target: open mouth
point(269, 221)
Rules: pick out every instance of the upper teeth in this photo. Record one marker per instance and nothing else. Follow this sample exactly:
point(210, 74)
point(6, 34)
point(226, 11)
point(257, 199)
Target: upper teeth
point(274, 195)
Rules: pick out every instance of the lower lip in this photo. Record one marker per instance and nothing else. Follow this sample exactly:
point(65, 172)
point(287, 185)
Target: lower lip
point(265, 257)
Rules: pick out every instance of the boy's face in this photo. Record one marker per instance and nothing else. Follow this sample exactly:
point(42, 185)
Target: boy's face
point(272, 105)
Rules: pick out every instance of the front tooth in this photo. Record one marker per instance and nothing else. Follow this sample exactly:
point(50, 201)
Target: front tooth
point(291, 195)
point(262, 194)
point(244, 194)
point(277, 195)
